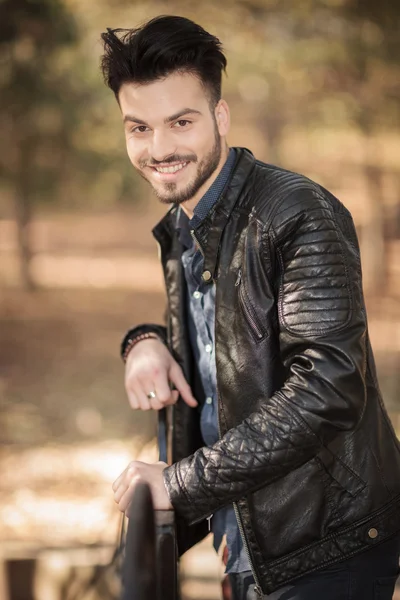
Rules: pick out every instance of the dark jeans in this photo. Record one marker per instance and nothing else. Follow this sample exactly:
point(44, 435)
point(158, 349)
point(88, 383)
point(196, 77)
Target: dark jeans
point(368, 576)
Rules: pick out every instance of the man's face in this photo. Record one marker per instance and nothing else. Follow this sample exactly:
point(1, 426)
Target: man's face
point(173, 135)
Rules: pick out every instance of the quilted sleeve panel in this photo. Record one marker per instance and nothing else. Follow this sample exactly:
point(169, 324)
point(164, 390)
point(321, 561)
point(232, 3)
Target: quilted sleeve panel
point(261, 449)
point(322, 344)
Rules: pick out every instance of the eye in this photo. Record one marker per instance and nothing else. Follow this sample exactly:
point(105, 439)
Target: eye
point(182, 123)
point(139, 129)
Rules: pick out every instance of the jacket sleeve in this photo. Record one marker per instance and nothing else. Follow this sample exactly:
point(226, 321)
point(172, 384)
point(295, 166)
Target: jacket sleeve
point(322, 335)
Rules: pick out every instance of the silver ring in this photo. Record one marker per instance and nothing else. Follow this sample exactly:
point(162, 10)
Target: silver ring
point(151, 395)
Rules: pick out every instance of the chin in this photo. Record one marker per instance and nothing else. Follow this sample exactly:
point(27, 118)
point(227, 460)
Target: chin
point(176, 196)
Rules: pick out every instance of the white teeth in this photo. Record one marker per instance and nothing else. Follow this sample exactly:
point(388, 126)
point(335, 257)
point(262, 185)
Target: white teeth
point(173, 169)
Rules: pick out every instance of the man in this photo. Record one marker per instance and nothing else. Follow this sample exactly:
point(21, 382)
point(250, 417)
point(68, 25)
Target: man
point(280, 439)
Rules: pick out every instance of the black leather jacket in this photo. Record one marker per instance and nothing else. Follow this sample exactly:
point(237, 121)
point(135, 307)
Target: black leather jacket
point(307, 452)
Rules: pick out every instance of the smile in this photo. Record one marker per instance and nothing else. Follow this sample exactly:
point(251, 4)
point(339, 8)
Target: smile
point(172, 169)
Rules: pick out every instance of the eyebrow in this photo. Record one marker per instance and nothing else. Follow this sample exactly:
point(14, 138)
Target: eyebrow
point(181, 113)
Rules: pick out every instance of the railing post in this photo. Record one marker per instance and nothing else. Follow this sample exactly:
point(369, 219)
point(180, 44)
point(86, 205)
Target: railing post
point(166, 552)
point(150, 564)
point(139, 571)
point(150, 567)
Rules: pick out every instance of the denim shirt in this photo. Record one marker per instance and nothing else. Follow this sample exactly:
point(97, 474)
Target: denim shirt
point(201, 315)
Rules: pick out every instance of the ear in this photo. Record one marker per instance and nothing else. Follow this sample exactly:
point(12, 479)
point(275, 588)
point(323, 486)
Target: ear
point(223, 118)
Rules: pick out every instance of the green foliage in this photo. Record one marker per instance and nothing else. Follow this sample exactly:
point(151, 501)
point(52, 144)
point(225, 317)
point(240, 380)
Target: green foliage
point(314, 63)
point(30, 33)
point(54, 144)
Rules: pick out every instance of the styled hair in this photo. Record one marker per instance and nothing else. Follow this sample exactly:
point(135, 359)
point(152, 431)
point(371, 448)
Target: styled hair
point(163, 45)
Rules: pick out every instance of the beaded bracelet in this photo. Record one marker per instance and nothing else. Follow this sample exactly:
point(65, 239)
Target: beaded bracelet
point(131, 343)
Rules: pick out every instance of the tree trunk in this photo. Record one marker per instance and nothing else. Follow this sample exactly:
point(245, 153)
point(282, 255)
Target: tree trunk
point(23, 213)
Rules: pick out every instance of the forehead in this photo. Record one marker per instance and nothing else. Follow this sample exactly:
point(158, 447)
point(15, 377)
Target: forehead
point(163, 97)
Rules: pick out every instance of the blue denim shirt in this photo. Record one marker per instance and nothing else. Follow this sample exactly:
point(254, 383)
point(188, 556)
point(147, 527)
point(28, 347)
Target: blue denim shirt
point(201, 314)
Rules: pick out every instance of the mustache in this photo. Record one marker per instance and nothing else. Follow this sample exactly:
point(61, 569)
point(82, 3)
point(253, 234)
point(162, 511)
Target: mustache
point(170, 159)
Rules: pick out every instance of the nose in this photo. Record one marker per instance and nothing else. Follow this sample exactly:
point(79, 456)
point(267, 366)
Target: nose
point(163, 145)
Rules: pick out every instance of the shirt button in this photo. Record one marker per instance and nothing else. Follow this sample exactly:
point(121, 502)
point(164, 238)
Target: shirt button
point(208, 348)
point(208, 400)
point(196, 295)
point(206, 276)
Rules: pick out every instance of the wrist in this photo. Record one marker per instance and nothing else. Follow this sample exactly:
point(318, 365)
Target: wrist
point(132, 342)
point(159, 330)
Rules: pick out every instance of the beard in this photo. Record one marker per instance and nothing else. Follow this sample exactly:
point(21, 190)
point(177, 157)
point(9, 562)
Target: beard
point(170, 194)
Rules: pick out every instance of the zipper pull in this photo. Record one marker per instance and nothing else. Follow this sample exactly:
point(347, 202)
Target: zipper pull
point(209, 522)
point(239, 278)
point(196, 242)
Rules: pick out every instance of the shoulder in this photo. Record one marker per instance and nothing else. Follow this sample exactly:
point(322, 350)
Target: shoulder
point(280, 196)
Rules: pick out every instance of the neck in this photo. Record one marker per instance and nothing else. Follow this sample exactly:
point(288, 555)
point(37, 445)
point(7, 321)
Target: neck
point(189, 206)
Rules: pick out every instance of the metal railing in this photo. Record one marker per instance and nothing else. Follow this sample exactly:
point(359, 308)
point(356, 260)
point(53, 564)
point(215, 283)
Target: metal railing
point(150, 566)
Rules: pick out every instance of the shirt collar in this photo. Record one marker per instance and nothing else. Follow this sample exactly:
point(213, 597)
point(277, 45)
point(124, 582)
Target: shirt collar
point(205, 204)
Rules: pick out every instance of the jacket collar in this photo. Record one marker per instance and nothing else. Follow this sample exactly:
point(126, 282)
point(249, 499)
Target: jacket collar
point(209, 233)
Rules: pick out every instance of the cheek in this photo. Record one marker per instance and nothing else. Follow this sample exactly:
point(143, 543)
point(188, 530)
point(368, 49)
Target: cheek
point(136, 151)
point(196, 143)
point(205, 138)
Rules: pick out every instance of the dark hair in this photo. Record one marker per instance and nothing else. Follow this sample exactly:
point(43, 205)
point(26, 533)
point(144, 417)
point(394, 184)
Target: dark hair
point(162, 46)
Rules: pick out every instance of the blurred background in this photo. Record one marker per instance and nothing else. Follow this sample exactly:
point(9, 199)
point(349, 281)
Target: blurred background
point(313, 85)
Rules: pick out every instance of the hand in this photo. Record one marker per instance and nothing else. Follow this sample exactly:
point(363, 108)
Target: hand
point(137, 472)
point(151, 367)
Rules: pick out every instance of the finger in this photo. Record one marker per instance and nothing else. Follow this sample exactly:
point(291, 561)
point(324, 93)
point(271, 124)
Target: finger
point(162, 388)
point(120, 491)
point(173, 398)
point(126, 498)
point(119, 479)
point(130, 388)
point(177, 377)
point(141, 395)
point(156, 404)
point(133, 401)
point(123, 481)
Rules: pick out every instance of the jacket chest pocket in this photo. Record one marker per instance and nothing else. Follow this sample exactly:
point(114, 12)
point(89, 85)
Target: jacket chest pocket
point(254, 321)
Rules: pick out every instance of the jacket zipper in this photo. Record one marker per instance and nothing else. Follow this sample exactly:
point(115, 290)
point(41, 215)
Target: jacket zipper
point(249, 313)
point(257, 588)
point(259, 334)
point(209, 521)
point(194, 238)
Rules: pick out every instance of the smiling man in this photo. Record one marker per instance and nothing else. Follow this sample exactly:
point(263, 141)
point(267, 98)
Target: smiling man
point(194, 130)
point(281, 444)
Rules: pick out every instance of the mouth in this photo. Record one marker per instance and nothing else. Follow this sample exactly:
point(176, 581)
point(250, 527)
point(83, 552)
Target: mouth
point(169, 172)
